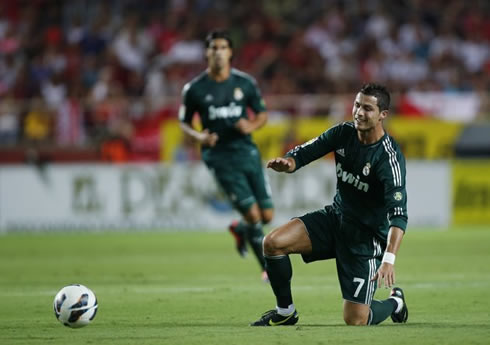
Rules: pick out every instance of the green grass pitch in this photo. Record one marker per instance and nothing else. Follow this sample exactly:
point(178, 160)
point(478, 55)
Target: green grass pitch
point(192, 288)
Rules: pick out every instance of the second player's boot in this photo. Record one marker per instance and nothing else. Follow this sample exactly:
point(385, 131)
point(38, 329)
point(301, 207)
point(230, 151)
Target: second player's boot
point(240, 240)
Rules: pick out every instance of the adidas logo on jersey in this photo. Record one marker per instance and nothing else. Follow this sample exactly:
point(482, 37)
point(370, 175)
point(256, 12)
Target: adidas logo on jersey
point(341, 152)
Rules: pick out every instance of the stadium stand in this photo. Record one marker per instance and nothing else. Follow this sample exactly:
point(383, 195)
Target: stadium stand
point(94, 80)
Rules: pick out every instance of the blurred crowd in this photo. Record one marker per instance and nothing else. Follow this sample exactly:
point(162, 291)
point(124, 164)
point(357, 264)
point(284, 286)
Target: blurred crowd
point(75, 73)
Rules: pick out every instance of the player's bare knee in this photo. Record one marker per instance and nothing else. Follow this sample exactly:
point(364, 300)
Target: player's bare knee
point(266, 219)
point(267, 216)
point(253, 216)
point(354, 320)
point(355, 314)
point(268, 245)
point(272, 245)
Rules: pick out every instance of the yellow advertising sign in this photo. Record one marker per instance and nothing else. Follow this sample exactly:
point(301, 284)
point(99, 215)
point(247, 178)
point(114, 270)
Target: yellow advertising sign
point(273, 140)
point(420, 138)
point(424, 138)
point(276, 138)
point(471, 192)
point(171, 138)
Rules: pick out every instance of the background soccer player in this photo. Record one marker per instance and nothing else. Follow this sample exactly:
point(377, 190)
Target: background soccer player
point(368, 217)
point(221, 96)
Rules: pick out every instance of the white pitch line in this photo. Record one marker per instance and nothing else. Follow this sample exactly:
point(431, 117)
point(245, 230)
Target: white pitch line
point(160, 288)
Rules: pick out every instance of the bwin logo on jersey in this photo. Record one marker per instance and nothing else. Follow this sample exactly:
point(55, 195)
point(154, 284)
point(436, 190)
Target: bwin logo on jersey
point(351, 179)
point(225, 112)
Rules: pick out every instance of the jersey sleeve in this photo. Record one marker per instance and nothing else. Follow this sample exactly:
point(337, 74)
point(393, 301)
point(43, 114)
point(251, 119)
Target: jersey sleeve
point(187, 107)
point(256, 102)
point(315, 148)
point(392, 174)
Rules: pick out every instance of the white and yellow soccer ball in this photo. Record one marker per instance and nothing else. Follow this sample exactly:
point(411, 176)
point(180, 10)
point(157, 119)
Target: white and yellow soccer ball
point(75, 306)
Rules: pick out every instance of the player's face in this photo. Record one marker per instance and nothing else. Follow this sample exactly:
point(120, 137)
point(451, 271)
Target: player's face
point(366, 114)
point(218, 53)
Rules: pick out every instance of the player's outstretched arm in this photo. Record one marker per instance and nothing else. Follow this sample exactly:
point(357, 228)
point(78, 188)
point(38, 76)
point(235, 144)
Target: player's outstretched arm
point(386, 272)
point(247, 126)
point(282, 164)
point(204, 138)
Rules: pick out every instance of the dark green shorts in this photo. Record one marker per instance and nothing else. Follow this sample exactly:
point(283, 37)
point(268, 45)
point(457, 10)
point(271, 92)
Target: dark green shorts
point(357, 252)
point(244, 183)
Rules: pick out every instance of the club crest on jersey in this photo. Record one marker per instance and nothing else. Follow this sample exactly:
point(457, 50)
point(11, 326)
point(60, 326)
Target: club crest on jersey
point(238, 94)
point(397, 196)
point(366, 169)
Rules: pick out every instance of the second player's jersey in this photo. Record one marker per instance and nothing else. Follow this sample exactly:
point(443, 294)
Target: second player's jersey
point(370, 178)
point(220, 105)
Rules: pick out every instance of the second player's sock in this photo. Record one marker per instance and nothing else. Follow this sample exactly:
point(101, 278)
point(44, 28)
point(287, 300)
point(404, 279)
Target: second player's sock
point(380, 310)
point(280, 273)
point(241, 228)
point(255, 237)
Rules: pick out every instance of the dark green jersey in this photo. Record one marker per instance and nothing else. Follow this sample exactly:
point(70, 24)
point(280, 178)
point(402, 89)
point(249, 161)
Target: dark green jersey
point(220, 105)
point(370, 178)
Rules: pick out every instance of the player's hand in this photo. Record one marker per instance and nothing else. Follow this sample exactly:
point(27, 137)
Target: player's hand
point(244, 126)
point(208, 139)
point(280, 164)
point(386, 273)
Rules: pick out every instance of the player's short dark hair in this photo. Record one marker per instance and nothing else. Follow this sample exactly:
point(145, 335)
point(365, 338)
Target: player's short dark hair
point(380, 92)
point(219, 34)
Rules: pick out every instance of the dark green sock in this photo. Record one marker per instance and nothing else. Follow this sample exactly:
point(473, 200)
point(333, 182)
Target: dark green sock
point(280, 273)
point(380, 310)
point(255, 236)
point(241, 228)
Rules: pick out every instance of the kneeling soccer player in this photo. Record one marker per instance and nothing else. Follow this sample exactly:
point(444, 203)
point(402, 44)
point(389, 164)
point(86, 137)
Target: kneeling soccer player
point(362, 229)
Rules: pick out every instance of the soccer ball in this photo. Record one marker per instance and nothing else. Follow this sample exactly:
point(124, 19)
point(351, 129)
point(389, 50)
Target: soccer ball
point(75, 306)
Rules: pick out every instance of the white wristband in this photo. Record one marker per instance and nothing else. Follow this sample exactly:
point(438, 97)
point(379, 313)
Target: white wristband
point(389, 258)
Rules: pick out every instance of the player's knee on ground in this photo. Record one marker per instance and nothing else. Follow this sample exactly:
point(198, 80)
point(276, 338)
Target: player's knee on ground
point(354, 321)
point(355, 318)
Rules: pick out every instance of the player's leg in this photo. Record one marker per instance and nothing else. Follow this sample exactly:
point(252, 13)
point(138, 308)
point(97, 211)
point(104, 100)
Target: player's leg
point(262, 211)
point(359, 312)
point(233, 182)
point(378, 311)
point(249, 228)
point(311, 236)
point(358, 257)
point(238, 228)
point(287, 239)
point(355, 275)
point(394, 306)
point(254, 233)
point(355, 314)
point(266, 216)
